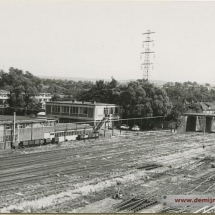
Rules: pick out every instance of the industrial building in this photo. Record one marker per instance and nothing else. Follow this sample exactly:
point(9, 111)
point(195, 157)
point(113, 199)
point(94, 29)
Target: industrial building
point(76, 111)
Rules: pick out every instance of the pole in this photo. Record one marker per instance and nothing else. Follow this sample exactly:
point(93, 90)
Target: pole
point(18, 133)
point(204, 130)
point(14, 127)
point(31, 130)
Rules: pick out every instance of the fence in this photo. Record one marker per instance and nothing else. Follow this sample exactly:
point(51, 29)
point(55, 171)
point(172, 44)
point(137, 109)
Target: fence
point(145, 123)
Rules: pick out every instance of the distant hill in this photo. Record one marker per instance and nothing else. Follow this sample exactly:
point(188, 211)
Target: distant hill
point(157, 82)
point(73, 78)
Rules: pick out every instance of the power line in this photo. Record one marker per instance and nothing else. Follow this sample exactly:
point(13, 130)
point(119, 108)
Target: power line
point(146, 65)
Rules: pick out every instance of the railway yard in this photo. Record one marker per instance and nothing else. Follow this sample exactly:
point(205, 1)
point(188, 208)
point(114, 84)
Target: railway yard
point(85, 176)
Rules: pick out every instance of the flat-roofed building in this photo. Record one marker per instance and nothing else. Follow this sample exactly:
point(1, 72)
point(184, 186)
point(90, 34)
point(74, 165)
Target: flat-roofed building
point(74, 111)
point(4, 96)
point(43, 98)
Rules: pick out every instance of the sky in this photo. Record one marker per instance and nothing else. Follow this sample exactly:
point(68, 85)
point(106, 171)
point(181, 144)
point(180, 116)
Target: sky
point(100, 39)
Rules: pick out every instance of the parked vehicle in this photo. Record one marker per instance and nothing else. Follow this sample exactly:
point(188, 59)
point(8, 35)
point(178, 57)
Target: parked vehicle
point(135, 128)
point(124, 127)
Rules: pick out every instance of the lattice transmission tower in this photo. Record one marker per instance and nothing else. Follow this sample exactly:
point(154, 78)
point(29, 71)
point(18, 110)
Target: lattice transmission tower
point(147, 65)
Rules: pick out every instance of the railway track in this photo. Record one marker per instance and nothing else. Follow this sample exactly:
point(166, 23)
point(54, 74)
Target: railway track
point(53, 190)
point(53, 156)
point(164, 148)
point(34, 170)
point(16, 158)
point(53, 165)
point(52, 151)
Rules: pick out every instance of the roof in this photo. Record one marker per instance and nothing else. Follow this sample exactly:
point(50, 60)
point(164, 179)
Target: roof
point(198, 114)
point(4, 92)
point(81, 103)
point(8, 119)
point(179, 101)
point(207, 105)
point(71, 126)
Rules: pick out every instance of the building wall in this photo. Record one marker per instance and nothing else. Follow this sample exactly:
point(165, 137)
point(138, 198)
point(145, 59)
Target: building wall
point(70, 111)
point(81, 112)
point(102, 111)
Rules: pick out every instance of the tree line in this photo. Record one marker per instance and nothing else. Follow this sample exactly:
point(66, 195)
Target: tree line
point(190, 91)
point(137, 98)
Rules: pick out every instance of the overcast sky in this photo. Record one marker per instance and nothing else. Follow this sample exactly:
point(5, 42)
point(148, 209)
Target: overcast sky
point(104, 39)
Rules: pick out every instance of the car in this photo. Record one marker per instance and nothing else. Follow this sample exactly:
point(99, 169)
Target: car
point(124, 126)
point(135, 128)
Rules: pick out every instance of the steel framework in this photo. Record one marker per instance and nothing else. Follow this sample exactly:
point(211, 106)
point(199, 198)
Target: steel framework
point(146, 65)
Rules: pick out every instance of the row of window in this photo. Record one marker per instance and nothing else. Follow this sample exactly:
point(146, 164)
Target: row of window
point(73, 110)
point(111, 110)
point(70, 133)
point(82, 110)
point(44, 100)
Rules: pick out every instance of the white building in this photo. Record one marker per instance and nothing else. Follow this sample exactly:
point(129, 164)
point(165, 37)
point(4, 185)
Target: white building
point(4, 95)
point(43, 98)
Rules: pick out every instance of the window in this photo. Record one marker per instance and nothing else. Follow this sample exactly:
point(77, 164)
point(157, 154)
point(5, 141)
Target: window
point(105, 111)
point(83, 110)
point(56, 109)
point(65, 109)
point(74, 110)
point(8, 127)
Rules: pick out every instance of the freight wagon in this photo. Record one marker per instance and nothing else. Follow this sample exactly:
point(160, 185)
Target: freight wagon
point(35, 133)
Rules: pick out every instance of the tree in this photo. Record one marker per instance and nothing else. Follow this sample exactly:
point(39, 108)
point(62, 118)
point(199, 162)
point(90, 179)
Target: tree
point(23, 87)
point(56, 97)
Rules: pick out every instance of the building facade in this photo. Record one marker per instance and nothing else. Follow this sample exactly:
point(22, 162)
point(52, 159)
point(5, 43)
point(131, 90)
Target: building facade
point(4, 96)
point(43, 98)
point(68, 111)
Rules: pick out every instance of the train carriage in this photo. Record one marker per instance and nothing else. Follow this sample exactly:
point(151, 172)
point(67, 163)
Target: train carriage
point(35, 133)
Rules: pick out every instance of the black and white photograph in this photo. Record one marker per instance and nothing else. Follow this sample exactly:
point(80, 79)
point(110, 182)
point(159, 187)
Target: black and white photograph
point(107, 106)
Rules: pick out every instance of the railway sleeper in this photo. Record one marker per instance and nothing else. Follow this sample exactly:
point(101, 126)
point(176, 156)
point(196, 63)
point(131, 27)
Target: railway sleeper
point(144, 206)
point(128, 205)
point(125, 202)
point(138, 204)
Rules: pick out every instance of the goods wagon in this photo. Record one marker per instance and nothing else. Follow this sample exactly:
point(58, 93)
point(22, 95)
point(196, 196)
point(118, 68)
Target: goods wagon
point(52, 134)
point(27, 135)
